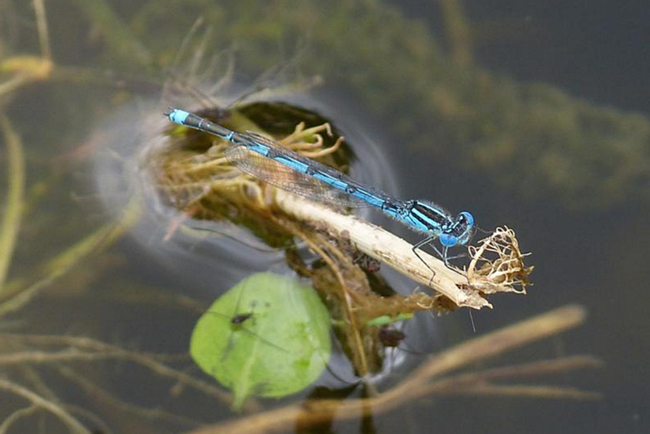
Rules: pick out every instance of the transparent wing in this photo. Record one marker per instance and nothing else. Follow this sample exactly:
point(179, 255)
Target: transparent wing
point(286, 178)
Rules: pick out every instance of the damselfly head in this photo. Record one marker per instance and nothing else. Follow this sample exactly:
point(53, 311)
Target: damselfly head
point(465, 227)
point(460, 231)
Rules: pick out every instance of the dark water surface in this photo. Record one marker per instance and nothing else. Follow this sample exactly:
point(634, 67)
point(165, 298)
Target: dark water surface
point(467, 135)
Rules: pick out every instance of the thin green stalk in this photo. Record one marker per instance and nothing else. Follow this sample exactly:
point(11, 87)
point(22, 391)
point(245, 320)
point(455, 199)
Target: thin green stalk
point(65, 261)
point(10, 224)
point(41, 25)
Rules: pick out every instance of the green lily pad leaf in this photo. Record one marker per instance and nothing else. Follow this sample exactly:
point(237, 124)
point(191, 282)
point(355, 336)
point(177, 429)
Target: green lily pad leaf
point(267, 336)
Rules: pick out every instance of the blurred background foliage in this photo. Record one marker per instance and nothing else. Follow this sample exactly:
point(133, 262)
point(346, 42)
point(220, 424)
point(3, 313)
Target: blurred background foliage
point(532, 139)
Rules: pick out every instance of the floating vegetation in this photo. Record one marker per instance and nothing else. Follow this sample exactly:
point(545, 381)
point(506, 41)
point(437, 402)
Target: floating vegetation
point(437, 377)
point(191, 173)
point(482, 119)
point(267, 336)
point(497, 264)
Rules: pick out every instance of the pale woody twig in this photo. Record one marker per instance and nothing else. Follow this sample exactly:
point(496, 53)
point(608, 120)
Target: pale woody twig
point(386, 247)
point(426, 378)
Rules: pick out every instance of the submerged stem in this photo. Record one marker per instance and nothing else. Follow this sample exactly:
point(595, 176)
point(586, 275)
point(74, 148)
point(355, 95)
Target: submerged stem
point(10, 225)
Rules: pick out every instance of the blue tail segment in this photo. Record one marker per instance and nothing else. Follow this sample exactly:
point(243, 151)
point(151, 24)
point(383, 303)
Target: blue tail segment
point(279, 166)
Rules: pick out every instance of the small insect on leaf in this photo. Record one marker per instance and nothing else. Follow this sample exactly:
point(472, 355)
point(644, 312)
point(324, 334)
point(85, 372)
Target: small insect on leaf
point(267, 336)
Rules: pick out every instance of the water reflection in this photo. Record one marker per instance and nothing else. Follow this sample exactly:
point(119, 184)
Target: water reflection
point(464, 124)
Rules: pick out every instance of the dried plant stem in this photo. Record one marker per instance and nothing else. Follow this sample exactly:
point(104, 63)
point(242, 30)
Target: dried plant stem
point(86, 349)
point(100, 394)
point(16, 416)
point(420, 382)
point(386, 247)
point(541, 367)
point(73, 424)
point(522, 391)
point(478, 382)
point(490, 345)
point(363, 363)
